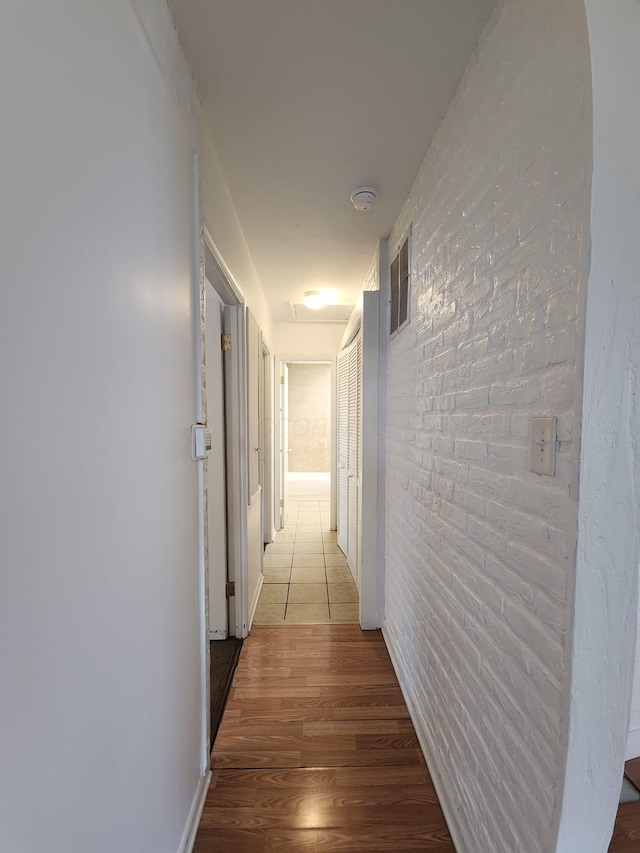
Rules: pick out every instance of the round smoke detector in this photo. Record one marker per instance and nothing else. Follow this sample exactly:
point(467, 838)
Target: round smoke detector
point(363, 198)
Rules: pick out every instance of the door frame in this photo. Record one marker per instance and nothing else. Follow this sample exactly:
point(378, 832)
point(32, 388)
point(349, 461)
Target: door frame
point(198, 312)
point(294, 359)
point(370, 318)
point(235, 427)
point(282, 439)
point(268, 528)
point(213, 352)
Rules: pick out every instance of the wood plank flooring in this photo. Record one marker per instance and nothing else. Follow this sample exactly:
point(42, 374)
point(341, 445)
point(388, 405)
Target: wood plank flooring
point(316, 752)
point(626, 832)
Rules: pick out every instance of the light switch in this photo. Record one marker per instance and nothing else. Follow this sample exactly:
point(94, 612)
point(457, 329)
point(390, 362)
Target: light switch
point(543, 446)
point(198, 441)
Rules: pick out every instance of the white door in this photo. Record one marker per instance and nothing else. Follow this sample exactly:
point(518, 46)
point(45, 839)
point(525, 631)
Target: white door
point(353, 492)
point(255, 538)
point(284, 443)
point(343, 448)
point(349, 451)
point(267, 449)
point(216, 474)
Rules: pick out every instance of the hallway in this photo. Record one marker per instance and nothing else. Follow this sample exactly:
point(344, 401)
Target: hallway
point(316, 752)
point(440, 201)
point(306, 576)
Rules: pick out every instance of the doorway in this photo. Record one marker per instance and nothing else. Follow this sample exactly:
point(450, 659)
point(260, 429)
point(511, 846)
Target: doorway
point(306, 576)
point(266, 398)
point(224, 483)
point(305, 433)
point(220, 623)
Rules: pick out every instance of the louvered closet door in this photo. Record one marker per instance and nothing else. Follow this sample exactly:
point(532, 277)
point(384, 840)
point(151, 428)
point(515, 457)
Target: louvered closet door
point(343, 448)
point(353, 496)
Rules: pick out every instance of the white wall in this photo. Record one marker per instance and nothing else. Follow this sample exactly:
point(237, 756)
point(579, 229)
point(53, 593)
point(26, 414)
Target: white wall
point(310, 417)
point(221, 221)
point(99, 651)
point(307, 340)
point(224, 230)
point(609, 518)
point(480, 553)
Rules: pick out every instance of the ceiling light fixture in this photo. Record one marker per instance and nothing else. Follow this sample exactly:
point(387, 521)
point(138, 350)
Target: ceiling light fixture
point(314, 299)
point(362, 198)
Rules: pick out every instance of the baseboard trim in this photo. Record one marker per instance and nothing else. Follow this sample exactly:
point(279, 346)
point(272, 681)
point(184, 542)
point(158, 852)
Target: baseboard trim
point(195, 813)
point(218, 635)
point(439, 779)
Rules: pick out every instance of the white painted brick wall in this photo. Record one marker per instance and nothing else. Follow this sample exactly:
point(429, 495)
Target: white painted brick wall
point(480, 552)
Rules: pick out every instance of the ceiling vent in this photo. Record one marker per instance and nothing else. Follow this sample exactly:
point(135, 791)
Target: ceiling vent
point(327, 314)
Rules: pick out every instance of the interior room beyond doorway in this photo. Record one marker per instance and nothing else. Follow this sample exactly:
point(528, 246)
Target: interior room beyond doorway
point(309, 431)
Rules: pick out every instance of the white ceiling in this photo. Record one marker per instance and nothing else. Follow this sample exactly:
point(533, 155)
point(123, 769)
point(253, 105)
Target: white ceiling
point(308, 99)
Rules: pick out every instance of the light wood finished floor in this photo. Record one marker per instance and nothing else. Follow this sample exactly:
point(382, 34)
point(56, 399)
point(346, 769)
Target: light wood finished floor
point(316, 752)
point(306, 576)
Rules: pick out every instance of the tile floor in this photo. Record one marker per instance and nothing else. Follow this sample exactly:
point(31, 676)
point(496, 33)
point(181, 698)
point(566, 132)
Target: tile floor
point(306, 576)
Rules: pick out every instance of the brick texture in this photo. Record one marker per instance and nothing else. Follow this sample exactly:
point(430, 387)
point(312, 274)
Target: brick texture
point(480, 553)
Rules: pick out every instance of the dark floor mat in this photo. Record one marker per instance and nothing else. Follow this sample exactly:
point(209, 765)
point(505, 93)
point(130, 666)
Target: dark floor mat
point(224, 659)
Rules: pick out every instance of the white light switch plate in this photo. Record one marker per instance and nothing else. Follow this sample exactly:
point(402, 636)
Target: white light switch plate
point(198, 442)
point(543, 446)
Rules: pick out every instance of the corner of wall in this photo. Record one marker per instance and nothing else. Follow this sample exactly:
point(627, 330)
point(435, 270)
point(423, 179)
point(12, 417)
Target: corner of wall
point(608, 551)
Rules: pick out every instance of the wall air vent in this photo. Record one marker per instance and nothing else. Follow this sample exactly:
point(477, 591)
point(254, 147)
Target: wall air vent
point(399, 275)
